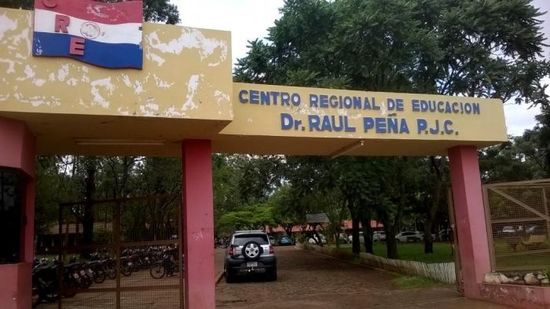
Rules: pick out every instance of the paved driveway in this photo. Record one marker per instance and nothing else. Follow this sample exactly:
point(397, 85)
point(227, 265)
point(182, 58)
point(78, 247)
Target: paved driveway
point(311, 280)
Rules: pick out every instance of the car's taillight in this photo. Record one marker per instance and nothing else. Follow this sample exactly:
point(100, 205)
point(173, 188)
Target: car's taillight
point(271, 250)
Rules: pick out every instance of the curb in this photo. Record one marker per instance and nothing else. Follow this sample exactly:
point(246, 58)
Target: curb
point(219, 277)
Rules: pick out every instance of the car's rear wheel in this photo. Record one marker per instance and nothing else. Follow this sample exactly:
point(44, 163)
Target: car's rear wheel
point(252, 251)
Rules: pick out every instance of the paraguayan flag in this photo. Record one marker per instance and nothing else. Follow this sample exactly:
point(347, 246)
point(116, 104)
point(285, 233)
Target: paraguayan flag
point(108, 34)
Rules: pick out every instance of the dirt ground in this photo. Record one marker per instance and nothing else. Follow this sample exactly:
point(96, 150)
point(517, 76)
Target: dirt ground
point(306, 280)
point(311, 280)
point(154, 299)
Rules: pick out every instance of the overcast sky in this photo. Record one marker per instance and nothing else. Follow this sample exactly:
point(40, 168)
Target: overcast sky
point(249, 19)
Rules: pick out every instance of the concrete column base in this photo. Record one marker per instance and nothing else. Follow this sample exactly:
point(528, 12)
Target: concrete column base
point(518, 296)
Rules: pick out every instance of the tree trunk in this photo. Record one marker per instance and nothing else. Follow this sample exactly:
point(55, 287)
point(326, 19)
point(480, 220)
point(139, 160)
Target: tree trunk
point(428, 240)
point(435, 202)
point(391, 242)
point(288, 230)
point(355, 244)
point(367, 232)
point(88, 218)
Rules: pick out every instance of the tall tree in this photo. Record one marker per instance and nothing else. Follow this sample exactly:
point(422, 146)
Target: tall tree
point(17, 4)
point(474, 48)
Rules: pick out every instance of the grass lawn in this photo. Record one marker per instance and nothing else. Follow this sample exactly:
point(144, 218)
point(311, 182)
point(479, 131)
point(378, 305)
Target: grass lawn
point(414, 251)
point(524, 258)
point(539, 261)
point(414, 282)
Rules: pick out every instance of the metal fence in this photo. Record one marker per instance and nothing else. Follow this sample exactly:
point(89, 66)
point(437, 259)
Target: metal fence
point(518, 224)
point(121, 253)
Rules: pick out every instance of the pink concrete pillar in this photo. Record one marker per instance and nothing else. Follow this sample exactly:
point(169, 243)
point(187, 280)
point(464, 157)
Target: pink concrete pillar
point(473, 245)
point(198, 225)
point(17, 150)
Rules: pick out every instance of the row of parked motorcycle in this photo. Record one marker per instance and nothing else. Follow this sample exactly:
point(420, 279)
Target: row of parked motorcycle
point(49, 276)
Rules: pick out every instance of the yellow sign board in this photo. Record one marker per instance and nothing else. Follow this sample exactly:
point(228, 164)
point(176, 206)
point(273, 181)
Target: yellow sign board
point(268, 110)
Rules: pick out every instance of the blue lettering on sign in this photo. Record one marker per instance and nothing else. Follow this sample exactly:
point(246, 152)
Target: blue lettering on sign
point(287, 122)
point(254, 97)
point(242, 96)
point(313, 122)
point(285, 99)
point(445, 107)
point(264, 98)
point(368, 124)
point(382, 125)
point(269, 97)
point(448, 127)
point(347, 102)
point(275, 96)
point(421, 126)
point(395, 104)
point(323, 101)
point(404, 128)
point(435, 130)
point(378, 125)
point(295, 99)
point(436, 127)
point(328, 123)
point(313, 100)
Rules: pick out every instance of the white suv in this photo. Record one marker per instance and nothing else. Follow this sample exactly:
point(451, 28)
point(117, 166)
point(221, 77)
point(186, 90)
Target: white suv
point(379, 236)
point(250, 252)
point(409, 236)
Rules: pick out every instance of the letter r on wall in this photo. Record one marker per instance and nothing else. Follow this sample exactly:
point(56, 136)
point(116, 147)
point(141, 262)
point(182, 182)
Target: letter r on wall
point(61, 23)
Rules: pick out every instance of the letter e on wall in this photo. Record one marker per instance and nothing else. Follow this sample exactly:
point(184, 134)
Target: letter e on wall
point(77, 46)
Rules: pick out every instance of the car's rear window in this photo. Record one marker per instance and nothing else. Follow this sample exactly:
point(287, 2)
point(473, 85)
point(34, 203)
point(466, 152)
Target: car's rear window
point(243, 239)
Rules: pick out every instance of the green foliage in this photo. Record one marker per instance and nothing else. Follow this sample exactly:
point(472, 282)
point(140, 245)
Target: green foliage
point(160, 11)
point(486, 49)
point(258, 177)
point(503, 163)
point(52, 187)
point(521, 158)
point(242, 187)
point(226, 184)
point(17, 4)
point(251, 217)
point(443, 252)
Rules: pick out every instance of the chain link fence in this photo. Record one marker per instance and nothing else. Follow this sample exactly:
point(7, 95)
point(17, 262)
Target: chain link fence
point(120, 253)
point(519, 225)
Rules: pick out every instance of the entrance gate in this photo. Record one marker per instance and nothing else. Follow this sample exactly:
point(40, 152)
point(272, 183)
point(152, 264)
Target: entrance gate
point(184, 104)
point(120, 253)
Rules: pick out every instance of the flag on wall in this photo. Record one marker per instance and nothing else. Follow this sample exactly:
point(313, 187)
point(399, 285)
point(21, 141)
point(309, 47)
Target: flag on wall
point(102, 34)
